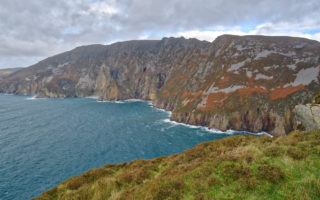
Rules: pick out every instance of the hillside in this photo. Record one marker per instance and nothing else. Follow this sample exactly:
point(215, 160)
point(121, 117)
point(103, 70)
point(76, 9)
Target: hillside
point(238, 167)
point(236, 82)
point(7, 71)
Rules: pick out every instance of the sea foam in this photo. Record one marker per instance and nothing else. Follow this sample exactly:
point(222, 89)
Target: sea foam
point(35, 98)
point(213, 130)
point(174, 123)
point(92, 97)
point(109, 101)
point(121, 101)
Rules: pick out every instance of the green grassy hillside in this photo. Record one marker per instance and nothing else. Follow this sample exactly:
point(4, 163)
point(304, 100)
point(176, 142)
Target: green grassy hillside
point(238, 167)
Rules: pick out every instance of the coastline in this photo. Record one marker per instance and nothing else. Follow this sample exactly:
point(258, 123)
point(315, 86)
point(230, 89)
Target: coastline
point(205, 128)
point(149, 102)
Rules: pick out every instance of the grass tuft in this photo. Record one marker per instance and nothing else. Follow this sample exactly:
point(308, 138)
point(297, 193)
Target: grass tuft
point(271, 173)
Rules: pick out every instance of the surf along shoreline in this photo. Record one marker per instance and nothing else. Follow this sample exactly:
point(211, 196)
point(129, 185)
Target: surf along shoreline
point(169, 120)
point(149, 102)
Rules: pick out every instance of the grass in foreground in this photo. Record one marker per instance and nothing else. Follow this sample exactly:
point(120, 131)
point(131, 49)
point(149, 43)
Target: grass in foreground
point(238, 167)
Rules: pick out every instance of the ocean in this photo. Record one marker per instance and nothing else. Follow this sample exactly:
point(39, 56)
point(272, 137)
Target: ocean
point(45, 141)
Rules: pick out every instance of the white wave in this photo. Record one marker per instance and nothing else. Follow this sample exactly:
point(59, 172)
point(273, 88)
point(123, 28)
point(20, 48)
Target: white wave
point(118, 102)
point(233, 132)
point(212, 130)
point(35, 98)
point(121, 101)
point(163, 110)
point(134, 100)
point(92, 97)
point(204, 128)
point(32, 98)
point(108, 101)
point(101, 101)
point(160, 109)
point(178, 123)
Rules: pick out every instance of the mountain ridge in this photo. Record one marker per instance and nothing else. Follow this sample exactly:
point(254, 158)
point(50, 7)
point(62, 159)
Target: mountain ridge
point(4, 72)
point(235, 82)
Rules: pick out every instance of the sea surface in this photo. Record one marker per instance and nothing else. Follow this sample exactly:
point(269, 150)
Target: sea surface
point(45, 141)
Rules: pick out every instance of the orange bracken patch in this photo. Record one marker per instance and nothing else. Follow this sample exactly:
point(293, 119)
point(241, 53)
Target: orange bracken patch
point(190, 97)
point(251, 90)
point(251, 81)
point(191, 94)
point(280, 93)
point(216, 99)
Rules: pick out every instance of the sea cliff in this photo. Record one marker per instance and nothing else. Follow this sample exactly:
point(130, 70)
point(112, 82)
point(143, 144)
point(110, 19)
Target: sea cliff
point(235, 82)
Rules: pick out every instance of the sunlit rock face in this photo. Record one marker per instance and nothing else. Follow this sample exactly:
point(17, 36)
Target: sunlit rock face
point(235, 82)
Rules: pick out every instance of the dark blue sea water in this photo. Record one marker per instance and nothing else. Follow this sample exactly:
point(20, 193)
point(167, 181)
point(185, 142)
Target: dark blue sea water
point(45, 141)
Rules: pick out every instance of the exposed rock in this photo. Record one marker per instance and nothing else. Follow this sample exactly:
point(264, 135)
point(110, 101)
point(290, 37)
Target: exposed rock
point(236, 82)
point(307, 116)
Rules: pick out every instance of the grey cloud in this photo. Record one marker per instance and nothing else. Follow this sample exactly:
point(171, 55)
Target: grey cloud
point(203, 13)
point(36, 29)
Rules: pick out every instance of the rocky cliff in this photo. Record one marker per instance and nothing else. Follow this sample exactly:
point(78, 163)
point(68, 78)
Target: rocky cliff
point(307, 116)
point(236, 82)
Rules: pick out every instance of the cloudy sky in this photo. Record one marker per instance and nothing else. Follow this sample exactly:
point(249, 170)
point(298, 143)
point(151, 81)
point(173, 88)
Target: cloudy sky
point(35, 29)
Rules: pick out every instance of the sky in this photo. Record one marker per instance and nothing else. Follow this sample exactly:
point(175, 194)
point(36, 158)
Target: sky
point(32, 30)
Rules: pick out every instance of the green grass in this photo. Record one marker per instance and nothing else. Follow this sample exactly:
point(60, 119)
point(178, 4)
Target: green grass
point(238, 167)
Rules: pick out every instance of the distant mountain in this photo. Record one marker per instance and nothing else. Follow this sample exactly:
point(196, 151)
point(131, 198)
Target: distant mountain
point(7, 71)
point(236, 82)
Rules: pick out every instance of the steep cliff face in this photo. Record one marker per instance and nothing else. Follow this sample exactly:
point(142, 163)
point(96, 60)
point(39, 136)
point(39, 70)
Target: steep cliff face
point(244, 83)
point(247, 83)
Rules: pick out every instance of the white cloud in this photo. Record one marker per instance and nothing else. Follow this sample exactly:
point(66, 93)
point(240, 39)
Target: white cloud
point(106, 8)
point(38, 29)
point(269, 29)
point(208, 35)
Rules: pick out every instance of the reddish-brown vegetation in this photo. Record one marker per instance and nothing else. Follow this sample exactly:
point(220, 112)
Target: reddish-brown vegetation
point(280, 93)
point(216, 99)
point(251, 90)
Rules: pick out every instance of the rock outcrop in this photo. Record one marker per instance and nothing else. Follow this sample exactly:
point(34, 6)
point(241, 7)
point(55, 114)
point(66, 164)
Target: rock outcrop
point(307, 116)
point(236, 82)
